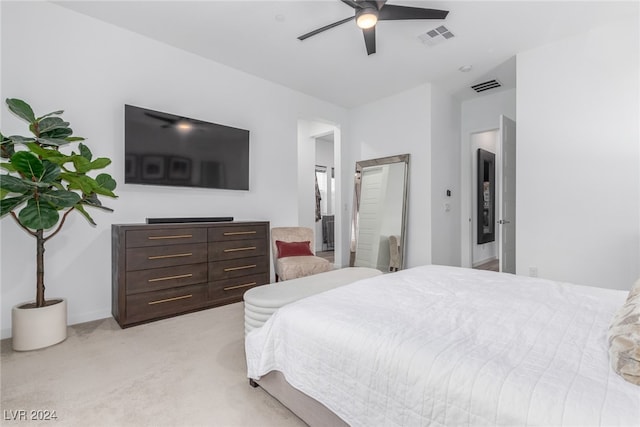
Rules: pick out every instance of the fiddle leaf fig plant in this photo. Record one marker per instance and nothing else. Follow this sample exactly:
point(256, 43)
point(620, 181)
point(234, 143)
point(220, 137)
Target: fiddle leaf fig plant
point(40, 184)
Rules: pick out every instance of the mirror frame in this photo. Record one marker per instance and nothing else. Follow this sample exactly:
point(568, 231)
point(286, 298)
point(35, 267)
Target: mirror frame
point(360, 166)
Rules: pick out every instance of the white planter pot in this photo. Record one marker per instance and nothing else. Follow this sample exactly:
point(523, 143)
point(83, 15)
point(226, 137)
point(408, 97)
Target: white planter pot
point(34, 328)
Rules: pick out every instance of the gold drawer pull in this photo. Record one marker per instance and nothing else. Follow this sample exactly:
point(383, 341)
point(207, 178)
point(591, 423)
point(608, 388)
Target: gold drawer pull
point(179, 236)
point(180, 276)
point(170, 256)
point(230, 288)
point(161, 301)
point(240, 268)
point(248, 248)
point(236, 233)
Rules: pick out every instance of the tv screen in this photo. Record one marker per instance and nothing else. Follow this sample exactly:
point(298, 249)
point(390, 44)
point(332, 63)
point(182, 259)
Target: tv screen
point(165, 149)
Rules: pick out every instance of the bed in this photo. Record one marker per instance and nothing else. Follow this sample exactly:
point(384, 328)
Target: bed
point(438, 345)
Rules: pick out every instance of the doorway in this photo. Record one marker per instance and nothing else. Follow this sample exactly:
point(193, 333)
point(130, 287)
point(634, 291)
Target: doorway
point(325, 190)
point(484, 252)
point(312, 134)
point(499, 253)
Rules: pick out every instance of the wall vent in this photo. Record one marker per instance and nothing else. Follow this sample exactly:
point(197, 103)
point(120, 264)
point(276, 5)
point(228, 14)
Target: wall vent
point(435, 36)
point(490, 84)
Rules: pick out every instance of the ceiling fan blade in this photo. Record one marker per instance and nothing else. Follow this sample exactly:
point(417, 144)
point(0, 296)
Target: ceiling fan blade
point(370, 39)
point(326, 27)
point(159, 117)
point(391, 13)
point(351, 3)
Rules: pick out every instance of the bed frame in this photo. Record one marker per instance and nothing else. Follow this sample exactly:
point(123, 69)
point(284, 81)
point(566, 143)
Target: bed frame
point(306, 408)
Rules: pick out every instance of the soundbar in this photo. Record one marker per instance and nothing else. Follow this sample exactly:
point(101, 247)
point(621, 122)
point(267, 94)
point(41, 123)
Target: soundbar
point(187, 220)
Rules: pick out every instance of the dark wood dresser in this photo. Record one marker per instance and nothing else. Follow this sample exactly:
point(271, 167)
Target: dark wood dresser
point(162, 270)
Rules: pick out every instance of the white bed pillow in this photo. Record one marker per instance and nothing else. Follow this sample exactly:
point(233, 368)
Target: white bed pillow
point(624, 338)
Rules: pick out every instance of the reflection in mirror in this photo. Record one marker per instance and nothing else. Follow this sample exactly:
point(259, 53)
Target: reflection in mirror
point(486, 196)
point(379, 214)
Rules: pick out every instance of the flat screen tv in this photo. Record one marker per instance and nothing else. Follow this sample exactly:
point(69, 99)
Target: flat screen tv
point(165, 149)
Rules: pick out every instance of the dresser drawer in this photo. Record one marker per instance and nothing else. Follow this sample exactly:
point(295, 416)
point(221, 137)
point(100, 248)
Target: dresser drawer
point(165, 278)
point(165, 236)
point(165, 256)
point(235, 288)
point(229, 269)
point(233, 249)
point(150, 305)
point(237, 232)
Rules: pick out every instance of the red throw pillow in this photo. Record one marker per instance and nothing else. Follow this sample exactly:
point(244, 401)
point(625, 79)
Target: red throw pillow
point(286, 249)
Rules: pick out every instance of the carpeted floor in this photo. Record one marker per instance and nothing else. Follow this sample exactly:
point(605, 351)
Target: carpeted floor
point(184, 371)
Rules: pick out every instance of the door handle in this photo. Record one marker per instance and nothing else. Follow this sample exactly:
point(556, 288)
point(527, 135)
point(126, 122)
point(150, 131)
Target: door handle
point(503, 221)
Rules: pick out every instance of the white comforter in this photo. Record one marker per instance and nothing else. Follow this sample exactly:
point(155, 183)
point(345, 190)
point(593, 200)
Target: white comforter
point(451, 346)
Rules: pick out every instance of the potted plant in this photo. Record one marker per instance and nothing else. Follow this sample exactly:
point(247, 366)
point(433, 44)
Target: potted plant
point(40, 186)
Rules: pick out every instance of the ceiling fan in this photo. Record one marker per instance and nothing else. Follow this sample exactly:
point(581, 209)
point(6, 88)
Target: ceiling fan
point(368, 13)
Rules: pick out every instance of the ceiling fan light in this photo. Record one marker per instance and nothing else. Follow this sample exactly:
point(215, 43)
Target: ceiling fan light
point(367, 18)
point(184, 126)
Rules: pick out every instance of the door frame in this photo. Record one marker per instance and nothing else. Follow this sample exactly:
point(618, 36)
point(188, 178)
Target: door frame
point(467, 209)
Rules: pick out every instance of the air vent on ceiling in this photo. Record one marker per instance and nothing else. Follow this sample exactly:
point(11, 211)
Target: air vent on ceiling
point(490, 84)
point(435, 36)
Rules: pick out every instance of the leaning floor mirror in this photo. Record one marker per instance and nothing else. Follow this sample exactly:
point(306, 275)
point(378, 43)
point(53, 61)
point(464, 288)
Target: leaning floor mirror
point(379, 214)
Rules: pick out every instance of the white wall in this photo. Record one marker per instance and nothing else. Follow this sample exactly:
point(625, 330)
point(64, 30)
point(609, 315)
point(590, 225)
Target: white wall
point(401, 124)
point(578, 179)
point(91, 69)
point(445, 175)
point(478, 115)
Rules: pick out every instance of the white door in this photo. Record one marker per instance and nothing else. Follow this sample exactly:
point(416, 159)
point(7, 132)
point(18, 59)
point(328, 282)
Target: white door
point(507, 199)
point(371, 199)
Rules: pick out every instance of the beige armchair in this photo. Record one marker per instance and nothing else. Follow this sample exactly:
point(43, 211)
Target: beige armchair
point(297, 256)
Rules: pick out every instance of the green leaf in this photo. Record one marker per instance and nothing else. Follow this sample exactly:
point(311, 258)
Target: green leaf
point(93, 201)
point(106, 181)
point(85, 214)
point(17, 139)
point(54, 113)
point(104, 192)
point(51, 172)
point(58, 133)
point(43, 152)
point(60, 198)
point(21, 109)
point(38, 215)
point(27, 164)
point(14, 184)
point(7, 149)
point(7, 166)
point(53, 142)
point(74, 139)
point(7, 205)
point(85, 152)
point(100, 163)
point(50, 123)
point(78, 182)
point(81, 164)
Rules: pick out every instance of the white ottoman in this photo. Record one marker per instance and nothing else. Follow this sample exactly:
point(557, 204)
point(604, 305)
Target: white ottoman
point(262, 301)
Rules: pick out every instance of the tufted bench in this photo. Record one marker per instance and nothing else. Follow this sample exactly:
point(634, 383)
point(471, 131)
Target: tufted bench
point(262, 301)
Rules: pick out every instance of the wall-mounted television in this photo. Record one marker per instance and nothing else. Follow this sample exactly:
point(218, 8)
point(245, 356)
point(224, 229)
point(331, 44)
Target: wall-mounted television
point(166, 149)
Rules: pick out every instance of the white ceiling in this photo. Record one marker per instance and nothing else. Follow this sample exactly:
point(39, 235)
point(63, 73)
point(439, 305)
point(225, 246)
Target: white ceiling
point(259, 37)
